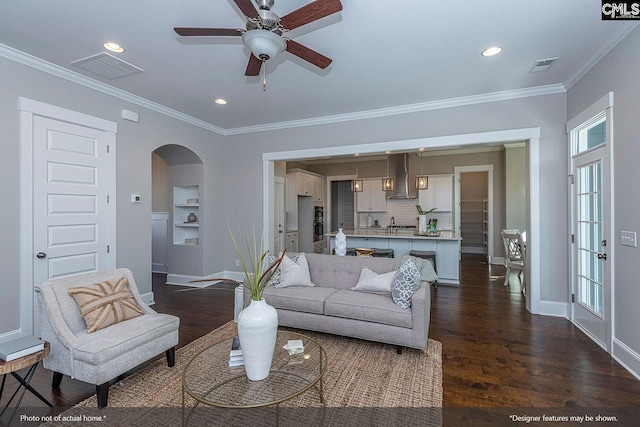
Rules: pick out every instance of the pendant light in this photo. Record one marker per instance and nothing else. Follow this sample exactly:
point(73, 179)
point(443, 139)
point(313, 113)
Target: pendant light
point(387, 183)
point(422, 180)
point(356, 184)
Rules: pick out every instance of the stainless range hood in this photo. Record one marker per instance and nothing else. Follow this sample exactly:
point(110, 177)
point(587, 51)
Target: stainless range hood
point(404, 187)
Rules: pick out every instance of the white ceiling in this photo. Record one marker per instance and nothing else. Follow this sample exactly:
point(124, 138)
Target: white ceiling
point(388, 57)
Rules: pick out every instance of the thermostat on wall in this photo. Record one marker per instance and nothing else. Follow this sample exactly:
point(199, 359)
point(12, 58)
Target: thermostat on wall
point(135, 198)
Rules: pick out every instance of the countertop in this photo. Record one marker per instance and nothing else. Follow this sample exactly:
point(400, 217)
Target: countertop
point(401, 234)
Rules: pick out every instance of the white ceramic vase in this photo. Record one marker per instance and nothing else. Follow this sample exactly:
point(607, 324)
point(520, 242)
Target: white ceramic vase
point(257, 329)
point(422, 224)
point(341, 243)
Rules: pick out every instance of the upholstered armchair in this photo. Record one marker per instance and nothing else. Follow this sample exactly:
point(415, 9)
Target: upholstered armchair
point(125, 331)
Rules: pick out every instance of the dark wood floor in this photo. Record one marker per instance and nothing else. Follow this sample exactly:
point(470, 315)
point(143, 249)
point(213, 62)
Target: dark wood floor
point(495, 353)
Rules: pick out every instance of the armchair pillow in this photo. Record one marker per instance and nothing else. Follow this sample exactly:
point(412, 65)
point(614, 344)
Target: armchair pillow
point(105, 304)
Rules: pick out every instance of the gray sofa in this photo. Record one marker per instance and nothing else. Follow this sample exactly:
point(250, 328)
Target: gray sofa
point(332, 307)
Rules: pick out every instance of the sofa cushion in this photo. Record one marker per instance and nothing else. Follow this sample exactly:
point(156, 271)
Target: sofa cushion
point(308, 300)
point(106, 344)
point(343, 272)
point(367, 307)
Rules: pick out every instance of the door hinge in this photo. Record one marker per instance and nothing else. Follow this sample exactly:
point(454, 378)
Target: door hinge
point(107, 149)
point(571, 180)
point(108, 248)
point(107, 198)
point(573, 238)
point(573, 297)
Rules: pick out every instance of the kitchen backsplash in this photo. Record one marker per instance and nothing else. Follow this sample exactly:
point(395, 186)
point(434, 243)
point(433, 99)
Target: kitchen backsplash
point(404, 212)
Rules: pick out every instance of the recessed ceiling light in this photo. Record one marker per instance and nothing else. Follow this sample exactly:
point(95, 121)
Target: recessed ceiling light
point(491, 51)
point(113, 47)
point(220, 101)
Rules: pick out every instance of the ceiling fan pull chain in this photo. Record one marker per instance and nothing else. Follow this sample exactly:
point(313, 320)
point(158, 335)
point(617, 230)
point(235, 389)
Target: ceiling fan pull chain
point(264, 76)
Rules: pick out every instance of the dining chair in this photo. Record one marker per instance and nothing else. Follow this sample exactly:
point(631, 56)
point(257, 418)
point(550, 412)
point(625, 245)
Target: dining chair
point(514, 256)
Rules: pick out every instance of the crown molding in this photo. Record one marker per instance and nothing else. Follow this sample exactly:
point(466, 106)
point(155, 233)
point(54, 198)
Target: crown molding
point(58, 71)
point(624, 29)
point(404, 109)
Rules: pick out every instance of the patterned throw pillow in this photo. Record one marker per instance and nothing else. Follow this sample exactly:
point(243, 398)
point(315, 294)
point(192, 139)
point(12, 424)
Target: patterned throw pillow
point(405, 282)
point(105, 304)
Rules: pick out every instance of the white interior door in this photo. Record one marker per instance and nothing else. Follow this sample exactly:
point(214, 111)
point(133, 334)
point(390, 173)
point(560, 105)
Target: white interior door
point(591, 285)
point(71, 226)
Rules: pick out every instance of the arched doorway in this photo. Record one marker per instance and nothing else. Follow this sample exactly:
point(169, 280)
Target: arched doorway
point(177, 178)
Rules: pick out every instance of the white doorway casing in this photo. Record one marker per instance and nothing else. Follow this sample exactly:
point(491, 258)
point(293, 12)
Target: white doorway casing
point(72, 187)
point(530, 135)
point(457, 170)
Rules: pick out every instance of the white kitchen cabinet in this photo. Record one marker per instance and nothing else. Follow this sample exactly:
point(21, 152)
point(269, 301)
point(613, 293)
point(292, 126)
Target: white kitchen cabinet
point(318, 190)
point(439, 195)
point(371, 198)
point(291, 241)
point(448, 261)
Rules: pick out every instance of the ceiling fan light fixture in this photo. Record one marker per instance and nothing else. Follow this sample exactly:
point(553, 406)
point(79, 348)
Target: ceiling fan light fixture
point(263, 43)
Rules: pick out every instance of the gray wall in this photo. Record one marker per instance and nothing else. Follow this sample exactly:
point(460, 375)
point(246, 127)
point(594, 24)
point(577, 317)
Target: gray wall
point(618, 72)
point(515, 188)
point(160, 184)
point(547, 112)
point(135, 143)
point(236, 161)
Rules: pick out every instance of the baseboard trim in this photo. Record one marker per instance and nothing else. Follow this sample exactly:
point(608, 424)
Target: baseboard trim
point(627, 357)
point(553, 308)
point(10, 335)
point(148, 297)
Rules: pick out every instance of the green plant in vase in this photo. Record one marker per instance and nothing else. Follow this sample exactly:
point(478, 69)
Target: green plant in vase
point(253, 261)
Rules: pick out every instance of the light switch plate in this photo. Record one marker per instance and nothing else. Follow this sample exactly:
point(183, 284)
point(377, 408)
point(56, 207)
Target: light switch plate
point(628, 238)
point(136, 198)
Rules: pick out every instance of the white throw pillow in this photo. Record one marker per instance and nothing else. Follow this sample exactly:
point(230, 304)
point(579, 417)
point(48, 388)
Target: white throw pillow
point(294, 273)
point(373, 282)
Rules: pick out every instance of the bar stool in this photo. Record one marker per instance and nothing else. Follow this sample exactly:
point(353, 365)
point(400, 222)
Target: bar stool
point(429, 256)
point(366, 252)
point(383, 253)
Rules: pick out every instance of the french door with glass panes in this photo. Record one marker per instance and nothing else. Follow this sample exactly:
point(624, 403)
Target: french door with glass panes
point(590, 227)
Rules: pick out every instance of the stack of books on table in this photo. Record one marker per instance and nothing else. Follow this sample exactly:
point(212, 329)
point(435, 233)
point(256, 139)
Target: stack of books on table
point(20, 347)
point(235, 355)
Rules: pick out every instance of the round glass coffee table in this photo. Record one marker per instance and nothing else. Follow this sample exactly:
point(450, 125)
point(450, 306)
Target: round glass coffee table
point(210, 381)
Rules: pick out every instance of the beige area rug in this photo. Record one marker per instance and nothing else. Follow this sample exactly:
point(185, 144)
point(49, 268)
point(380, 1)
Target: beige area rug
point(366, 383)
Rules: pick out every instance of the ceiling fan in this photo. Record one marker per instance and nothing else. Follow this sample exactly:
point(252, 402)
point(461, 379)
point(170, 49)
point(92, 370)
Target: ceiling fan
point(264, 31)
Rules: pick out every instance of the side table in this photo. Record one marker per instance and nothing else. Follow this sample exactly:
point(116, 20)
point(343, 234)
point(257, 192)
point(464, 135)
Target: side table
point(29, 361)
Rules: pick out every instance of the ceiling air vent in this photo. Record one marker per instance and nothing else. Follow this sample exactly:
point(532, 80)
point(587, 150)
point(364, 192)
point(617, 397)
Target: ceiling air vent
point(107, 66)
point(542, 64)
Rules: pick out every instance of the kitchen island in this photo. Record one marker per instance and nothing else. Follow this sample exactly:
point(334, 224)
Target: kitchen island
point(402, 241)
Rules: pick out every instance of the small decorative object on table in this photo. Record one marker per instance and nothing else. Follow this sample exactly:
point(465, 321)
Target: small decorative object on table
point(192, 217)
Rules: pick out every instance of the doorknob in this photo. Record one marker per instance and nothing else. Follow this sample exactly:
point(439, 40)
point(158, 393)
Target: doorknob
point(41, 255)
point(602, 256)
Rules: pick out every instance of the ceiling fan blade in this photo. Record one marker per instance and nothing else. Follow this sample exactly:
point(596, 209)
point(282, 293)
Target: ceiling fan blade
point(253, 67)
point(309, 13)
point(190, 31)
point(307, 54)
point(246, 6)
